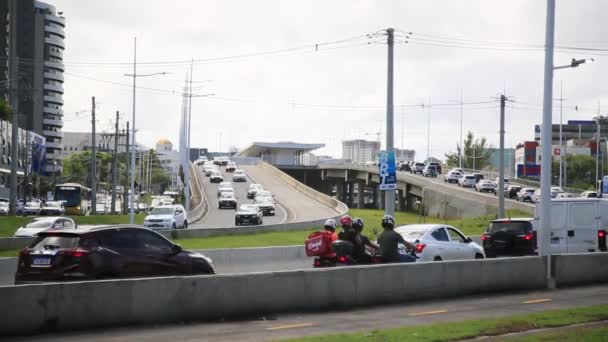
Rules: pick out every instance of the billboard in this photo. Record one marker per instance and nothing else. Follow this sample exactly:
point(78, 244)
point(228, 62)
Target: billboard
point(37, 152)
point(388, 177)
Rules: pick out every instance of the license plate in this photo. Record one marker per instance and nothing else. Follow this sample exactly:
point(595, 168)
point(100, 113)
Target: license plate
point(42, 261)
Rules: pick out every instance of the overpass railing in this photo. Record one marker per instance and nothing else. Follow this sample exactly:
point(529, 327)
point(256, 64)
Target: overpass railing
point(198, 196)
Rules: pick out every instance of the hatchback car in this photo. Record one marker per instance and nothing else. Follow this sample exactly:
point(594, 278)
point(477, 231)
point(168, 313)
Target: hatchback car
point(512, 191)
point(239, 176)
point(452, 177)
point(467, 181)
point(485, 186)
point(525, 194)
point(429, 171)
point(510, 237)
point(105, 252)
point(248, 214)
point(417, 168)
point(41, 224)
point(437, 242)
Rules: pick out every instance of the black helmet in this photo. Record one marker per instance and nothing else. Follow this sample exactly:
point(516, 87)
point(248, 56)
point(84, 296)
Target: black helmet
point(388, 221)
point(358, 224)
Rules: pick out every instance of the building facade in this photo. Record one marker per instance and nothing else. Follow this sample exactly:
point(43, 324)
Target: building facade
point(579, 130)
point(405, 155)
point(360, 151)
point(39, 87)
point(169, 160)
point(76, 142)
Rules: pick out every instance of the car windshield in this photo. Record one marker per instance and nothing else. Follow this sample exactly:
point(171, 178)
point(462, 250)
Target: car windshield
point(515, 227)
point(32, 204)
point(51, 242)
point(40, 224)
point(162, 211)
point(470, 177)
point(227, 195)
point(530, 191)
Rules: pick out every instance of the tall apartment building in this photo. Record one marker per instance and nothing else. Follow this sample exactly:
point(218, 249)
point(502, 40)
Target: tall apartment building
point(360, 151)
point(38, 52)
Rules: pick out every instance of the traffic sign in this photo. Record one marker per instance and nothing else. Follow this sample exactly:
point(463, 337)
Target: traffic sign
point(388, 177)
point(557, 151)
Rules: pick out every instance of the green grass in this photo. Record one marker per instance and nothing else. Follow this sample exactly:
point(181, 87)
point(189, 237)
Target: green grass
point(289, 238)
point(473, 328)
point(9, 224)
point(9, 253)
point(581, 334)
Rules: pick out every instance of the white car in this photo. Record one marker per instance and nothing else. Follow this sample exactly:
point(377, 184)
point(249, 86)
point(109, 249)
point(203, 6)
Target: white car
point(265, 194)
point(40, 224)
point(248, 214)
point(555, 190)
point(227, 200)
point(452, 177)
point(167, 217)
point(224, 187)
point(467, 181)
point(535, 198)
point(437, 242)
point(239, 176)
point(485, 186)
point(266, 205)
point(253, 189)
point(230, 167)
point(32, 208)
point(506, 182)
point(3, 208)
point(53, 208)
point(457, 169)
point(216, 177)
point(588, 194)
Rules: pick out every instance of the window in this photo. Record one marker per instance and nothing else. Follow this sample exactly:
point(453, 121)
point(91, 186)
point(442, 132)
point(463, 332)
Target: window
point(125, 239)
point(456, 236)
point(440, 235)
point(68, 224)
point(153, 242)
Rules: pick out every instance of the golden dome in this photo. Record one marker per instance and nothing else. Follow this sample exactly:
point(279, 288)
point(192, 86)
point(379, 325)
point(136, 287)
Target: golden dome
point(164, 142)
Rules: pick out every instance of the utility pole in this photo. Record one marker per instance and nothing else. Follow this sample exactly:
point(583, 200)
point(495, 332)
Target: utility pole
point(389, 195)
point(597, 145)
point(115, 167)
point(561, 143)
point(125, 195)
point(93, 159)
point(187, 159)
point(428, 133)
point(546, 139)
point(132, 166)
point(501, 160)
point(403, 127)
point(461, 142)
point(14, 93)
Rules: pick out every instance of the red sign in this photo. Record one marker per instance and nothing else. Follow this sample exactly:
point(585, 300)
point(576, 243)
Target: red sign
point(557, 152)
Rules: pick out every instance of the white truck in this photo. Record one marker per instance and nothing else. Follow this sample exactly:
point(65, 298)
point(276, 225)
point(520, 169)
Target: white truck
point(578, 225)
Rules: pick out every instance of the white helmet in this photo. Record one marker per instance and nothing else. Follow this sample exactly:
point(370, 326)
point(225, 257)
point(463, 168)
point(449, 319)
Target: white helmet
point(388, 220)
point(331, 224)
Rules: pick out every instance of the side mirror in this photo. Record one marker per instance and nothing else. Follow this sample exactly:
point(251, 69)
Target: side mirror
point(176, 249)
point(468, 240)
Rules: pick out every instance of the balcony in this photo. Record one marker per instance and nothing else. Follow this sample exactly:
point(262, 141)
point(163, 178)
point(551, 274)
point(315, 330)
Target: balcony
point(49, 144)
point(55, 53)
point(54, 40)
point(55, 88)
point(55, 65)
point(56, 30)
point(52, 110)
point(54, 134)
point(55, 19)
point(54, 156)
point(53, 99)
point(57, 76)
point(53, 122)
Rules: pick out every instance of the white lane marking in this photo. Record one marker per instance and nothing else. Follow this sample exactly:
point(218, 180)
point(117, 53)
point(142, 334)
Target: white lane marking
point(536, 301)
point(425, 313)
point(290, 326)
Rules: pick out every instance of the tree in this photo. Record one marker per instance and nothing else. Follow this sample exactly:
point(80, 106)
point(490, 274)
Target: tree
point(476, 154)
point(5, 111)
point(580, 172)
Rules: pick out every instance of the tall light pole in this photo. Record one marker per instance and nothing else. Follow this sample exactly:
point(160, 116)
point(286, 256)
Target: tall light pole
point(461, 142)
point(389, 195)
point(133, 144)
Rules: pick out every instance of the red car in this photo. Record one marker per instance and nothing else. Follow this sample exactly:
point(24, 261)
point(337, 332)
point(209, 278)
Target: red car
point(105, 252)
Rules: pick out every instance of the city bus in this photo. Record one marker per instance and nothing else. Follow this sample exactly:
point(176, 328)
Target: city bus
point(76, 198)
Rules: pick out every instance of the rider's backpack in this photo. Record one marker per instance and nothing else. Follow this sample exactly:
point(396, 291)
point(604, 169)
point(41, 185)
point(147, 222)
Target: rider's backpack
point(318, 243)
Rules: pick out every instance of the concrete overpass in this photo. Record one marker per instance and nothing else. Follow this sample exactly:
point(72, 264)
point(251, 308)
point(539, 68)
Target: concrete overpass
point(431, 196)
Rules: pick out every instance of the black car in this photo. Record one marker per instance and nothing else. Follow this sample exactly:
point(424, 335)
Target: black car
point(405, 167)
point(118, 251)
point(512, 191)
point(478, 177)
point(510, 237)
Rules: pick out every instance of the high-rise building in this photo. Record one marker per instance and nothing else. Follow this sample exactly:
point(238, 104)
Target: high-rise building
point(38, 56)
point(360, 151)
point(405, 155)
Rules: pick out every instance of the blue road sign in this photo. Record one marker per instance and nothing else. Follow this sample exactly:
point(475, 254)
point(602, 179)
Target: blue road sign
point(388, 177)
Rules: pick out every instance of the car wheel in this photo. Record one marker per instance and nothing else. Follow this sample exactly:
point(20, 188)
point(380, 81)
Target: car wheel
point(437, 258)
point(185, 225)
point(174, 227)
point(479, 256)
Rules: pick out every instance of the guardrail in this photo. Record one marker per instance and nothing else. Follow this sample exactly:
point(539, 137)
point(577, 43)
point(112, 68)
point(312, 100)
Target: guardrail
point(201, 208)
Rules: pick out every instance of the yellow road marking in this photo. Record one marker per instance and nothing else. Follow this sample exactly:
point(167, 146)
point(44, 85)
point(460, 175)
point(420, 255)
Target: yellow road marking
point(291, 326)
point(428, 313)
point(534, 301)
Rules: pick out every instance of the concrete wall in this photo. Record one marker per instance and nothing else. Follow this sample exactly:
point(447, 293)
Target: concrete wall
point(579, 269)
point(63, 306)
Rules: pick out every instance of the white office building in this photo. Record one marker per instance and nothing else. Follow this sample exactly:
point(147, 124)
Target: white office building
point(360, 151)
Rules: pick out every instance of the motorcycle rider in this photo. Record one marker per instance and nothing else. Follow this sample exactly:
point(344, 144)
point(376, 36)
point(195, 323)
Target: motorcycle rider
point(361, 241)
point(389, 242)
point(347, 233)
point(330, 227)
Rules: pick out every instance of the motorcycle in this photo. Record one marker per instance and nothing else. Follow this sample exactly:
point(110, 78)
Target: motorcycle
point(343, 256)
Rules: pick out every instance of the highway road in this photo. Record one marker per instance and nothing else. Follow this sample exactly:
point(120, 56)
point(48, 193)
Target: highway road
point(292, 205)
point(284, 326)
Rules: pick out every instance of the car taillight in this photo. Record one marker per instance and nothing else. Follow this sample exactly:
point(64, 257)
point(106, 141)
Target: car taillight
point(420, 247)
point(342, 259)
point(24, 252)
point(528, 237)
point(601, 240)
point(486, 237)
point(76, 253)
point(317, 262)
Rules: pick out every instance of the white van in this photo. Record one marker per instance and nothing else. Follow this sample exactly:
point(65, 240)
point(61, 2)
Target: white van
point(578, 225)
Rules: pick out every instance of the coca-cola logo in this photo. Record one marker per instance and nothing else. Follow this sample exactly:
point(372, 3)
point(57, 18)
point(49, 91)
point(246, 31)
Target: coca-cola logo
point(314, 245)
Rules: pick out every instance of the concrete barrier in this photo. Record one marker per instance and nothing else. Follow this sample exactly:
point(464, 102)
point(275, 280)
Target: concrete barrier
point(36, 308)
point(8, 267)
point(580, 269)
point(331, 202)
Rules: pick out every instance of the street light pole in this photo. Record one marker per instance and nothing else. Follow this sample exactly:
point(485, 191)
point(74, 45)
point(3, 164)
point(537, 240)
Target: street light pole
point(132, 186)
point(461, 142)
point(561, 144)
point(389, 194)
point(546, 137)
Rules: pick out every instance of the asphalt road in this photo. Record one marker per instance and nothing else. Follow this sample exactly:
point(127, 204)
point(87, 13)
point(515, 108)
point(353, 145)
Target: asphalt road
point(298, 325)
point(292, 205)
point(223, 218)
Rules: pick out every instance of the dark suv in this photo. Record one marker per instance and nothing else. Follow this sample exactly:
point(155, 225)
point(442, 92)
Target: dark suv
point(105, 252)
point(510, 237)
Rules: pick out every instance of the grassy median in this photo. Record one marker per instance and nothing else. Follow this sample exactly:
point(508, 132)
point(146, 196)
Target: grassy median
point(485, 327)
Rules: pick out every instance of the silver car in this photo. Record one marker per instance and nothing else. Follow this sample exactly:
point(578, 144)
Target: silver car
point(40, 224)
